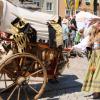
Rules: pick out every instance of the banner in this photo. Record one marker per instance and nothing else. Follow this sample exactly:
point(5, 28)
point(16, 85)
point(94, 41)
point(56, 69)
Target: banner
point(69, 3)
point(66, 3)
point(76, 4)
point(72, 3)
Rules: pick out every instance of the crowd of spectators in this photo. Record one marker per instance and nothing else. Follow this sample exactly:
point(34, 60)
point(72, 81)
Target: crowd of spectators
point(71, 35)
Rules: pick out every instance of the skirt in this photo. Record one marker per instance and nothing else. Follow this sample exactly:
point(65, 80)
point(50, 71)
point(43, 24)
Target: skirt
point(92, 78)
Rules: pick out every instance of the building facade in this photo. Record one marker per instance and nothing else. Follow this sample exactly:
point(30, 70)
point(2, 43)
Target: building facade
point(58, 7)
point(47, 6)
point(50, 6)
point(54, 7)
point(88, 5)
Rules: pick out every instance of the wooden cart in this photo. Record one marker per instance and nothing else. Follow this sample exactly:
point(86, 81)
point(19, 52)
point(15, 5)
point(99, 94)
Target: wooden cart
point(23, 76)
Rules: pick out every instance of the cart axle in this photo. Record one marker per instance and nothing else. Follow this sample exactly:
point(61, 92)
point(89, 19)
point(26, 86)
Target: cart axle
point(20, 80)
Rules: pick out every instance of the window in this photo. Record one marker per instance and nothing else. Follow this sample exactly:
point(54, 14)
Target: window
point(49, 6)
point(37, 3)
point(87, 2)
point(67, 12)
point(98, 2)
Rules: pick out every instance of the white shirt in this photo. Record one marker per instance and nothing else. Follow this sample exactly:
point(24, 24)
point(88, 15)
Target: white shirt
point(82, 45)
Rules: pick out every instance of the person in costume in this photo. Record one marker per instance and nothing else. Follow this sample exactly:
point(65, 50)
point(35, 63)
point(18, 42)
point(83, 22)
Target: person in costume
point(92, 78)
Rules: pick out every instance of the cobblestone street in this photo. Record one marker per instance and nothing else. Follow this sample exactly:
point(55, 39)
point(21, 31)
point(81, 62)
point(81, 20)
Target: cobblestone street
point(70, 83)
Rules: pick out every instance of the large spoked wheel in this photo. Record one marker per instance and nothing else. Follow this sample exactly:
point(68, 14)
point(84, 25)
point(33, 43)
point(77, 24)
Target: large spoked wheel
point(22, 77)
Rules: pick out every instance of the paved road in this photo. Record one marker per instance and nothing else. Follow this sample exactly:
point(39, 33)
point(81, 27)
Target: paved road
point(70, 83)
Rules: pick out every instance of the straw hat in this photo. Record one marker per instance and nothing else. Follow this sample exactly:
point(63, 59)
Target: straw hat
point(64, 21)
point(54, 18)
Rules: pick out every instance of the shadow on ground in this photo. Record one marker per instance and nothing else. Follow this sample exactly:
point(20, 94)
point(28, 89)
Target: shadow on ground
point(65, 84)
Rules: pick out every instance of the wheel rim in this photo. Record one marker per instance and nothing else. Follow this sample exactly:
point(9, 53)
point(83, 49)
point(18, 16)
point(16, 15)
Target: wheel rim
point(20, 76)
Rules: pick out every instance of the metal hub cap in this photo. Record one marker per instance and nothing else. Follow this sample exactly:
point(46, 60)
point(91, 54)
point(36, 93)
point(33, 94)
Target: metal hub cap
point(20, 80)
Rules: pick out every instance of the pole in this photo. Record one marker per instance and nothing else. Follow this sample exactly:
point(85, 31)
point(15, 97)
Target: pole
point(95, 7)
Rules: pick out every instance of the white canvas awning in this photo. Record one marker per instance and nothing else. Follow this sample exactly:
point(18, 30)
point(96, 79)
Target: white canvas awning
point(37, 19)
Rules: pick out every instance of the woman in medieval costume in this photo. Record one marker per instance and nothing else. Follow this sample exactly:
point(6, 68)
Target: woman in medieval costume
point(92, 78)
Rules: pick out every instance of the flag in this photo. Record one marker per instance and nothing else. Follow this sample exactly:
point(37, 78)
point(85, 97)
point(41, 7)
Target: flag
point(76, 4)
point(67, 4)
point(70, 4)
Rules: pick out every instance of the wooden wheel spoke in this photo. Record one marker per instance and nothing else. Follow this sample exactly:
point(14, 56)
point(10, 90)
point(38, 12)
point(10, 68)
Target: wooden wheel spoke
point(33, 89)
point(7, 88)
point(6, 71)
point(32, 64)
point(5, 80)
point(26, 95)
point(8, 80)
point(36, 72)
point(28, 68)
point(12, 92)
point(1, 76)
point(21, 62)
point(36, 65)
point(34, 80)
point(18, 96)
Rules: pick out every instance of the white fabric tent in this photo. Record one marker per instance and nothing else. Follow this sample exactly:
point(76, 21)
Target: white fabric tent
point(82, 19)
point(37, 19)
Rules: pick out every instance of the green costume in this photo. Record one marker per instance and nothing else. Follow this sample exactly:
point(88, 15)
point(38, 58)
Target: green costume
point(92, 79)
point(77, 38)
